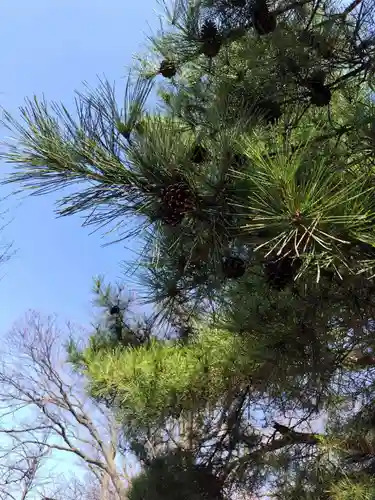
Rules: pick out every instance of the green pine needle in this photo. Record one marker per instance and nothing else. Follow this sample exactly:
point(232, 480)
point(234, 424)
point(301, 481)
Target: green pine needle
point(147, 379)
point(55, 150)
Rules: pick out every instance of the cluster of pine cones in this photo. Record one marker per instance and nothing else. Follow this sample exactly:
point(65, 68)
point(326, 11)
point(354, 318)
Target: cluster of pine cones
point(177, 200)
point(264, 22)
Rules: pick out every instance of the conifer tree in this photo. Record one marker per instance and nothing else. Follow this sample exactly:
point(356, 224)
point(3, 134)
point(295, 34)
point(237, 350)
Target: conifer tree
point(252, 185)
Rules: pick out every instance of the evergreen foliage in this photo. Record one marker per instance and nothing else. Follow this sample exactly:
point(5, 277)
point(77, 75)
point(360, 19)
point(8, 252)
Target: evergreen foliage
point(176, 475)
point(253, 189)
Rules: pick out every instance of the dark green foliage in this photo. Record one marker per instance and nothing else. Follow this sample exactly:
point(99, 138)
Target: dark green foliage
point(269, 110)
point(264, 21)
point(175, 476)
point(281, 272)
point(118, 326)
point(199, 154)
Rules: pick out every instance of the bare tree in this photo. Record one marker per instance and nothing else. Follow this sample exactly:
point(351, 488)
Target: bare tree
point(89, 489)
point(19, 467)
point(44, 404)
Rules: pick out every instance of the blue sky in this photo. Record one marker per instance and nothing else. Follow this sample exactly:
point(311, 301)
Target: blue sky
point(51, 47)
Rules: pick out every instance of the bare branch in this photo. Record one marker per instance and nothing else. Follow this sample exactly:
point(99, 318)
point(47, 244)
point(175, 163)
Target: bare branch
point(41, 396)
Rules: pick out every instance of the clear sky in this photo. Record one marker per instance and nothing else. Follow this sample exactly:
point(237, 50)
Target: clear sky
point(50, 47)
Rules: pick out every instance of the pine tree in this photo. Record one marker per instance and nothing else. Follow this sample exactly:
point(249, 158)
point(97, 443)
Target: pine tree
point(118, 325)
point(253, 184)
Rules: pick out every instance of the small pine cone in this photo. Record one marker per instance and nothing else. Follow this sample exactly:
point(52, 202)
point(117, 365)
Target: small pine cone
point(211, 48)
point(281, 273)
point(320, 95)
point(270, 110)
point(233, 267)
point(167, 69)
point(114, 310)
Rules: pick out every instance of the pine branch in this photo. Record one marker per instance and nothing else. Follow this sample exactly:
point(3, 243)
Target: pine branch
point(55, 150)
point(293, 438)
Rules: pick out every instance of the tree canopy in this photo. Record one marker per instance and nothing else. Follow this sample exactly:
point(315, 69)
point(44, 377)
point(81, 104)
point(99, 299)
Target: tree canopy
point(251, 184)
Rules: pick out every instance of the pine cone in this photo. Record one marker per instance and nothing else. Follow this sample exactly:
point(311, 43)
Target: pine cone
point(281, 272)
point(233, 267)
point(269, 110)
point(169, 217)
point(177, 201)
point(167, 69)
point(320, 95)
point(114, 310)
